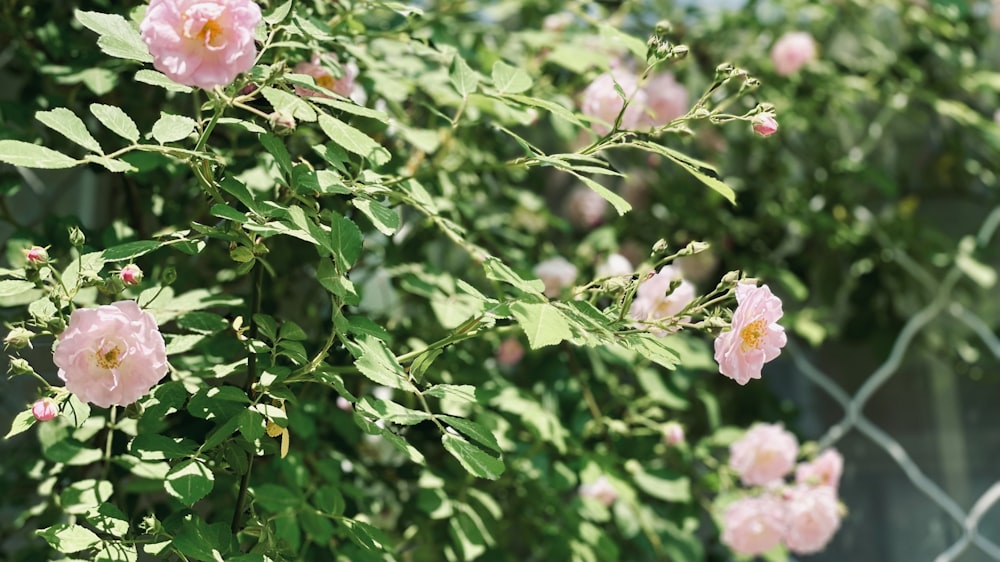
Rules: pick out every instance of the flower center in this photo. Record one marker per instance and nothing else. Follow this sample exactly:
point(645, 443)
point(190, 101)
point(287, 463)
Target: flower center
point(201, 23)
point(752, 335)
point(109, 359)
point(326, 81)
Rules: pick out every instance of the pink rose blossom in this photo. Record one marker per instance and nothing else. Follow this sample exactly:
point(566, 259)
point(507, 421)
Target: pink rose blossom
point(755, 337)
point(343, 86)
point(131, 274)
point(601, 490)
point(602, 102)
point(36, 255)
point(764, 124)
point(111, 355)
point(44, 410)
point(813, 516)
point(752, 526)
point(509, 352)
point(585, 208)
point(652, 302)
point(765, 453)
point(203, 43)
point(666, 100)
point(792, 51)
point(556, 273)
point(673, 433)
point(824, 470)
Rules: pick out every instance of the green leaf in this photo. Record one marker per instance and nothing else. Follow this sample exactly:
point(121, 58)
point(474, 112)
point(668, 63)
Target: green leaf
point(84, 496)
point(353, 140)
point(477, 432)
point(284, 102)
point(347, 240)
point(499, 271)
point(666, 485)
point(380, 365)
point(116, 551)
point(22, 422)
point(153, 447)
point(700, 170)
point(19, 153)
point(542, 323)
point(201, 541)
point(172, 128)
point(278, 14)
point(385, 219)
point(390, 411)
point(276, 498)
point(509, 79)
point(277, 148)
point(464, 79)
point(473, 459)
point(154, 78)
point(117, 36)
point(116, 120)
point(67, 124)
point(189, 481)
point(68, 538)
point(227, 212)
point(459, 392)
point(621, 205)
point(614, 36)
point(110, 520)
point(329, 500)
point(653, 348)
point(130, 250)
point(14, 287)
point(111, 164)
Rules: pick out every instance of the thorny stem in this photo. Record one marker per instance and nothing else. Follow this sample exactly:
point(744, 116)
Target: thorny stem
point(255, 297)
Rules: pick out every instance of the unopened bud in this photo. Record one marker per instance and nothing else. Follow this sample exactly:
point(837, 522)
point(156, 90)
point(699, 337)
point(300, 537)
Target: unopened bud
point(673, 433)
point(131, 274)
point(76, 237)
point(281, 122)
point(660, 246)
point(695, 247)
point(36, 256)
point(764, 124)
point(19, 366)
point(18, 338)
point(44, 410)
point(134, 411)
point(730, 278)
point(680, 51)
point(724, 70)
point(663, 27)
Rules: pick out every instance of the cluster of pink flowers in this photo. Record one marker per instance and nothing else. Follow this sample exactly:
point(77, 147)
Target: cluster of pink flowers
point(654, 301)
point(755, 336)
point(803, 516)
point(661, 101)
point(203, 43)
point(112, 354)
point(343, 86)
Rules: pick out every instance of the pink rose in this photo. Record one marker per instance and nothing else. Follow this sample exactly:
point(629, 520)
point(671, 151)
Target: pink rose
point(585, 208)
point(556, 273)
point(602, 102)
point(111, 355)
point(764, 124)
point(652, 302)
point(751, 526)
point(343, 86)
point(755, 337)
point(792, 51)
point(601, 490)
point(131, 274)
point(824, 470)
point(36, 255)
point(44, 409)
point(764, 454)
point(203, 43)
point(615, 265)
point(813, 516)
point(666, 100)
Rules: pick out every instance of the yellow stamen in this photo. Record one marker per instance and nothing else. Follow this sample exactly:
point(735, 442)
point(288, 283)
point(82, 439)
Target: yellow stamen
point(109, 359)
point(753, 335)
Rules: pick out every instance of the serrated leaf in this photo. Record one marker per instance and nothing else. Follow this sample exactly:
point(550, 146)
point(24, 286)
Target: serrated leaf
point(13, 287)
point(380, 365)
point(700, 170)
point(116, 120)
point(83, 496)
point(189, 481)
point(154, 78)
point(172, 128)
point(111, 164)
point(390, 411)
point(293, 105)
point(117, 36)
point(347, 240)
point(385, 219)
point(618, 202)
point(67, 124)
point(463, 78)
point(509, 79)
point(150, 446)
point(20, 153)
point(477, 432)
point(473, 459)
point(130, 250)
point(460, 392)
point(278, 14)
point(68, 538)
point(666, 485)
point(201, 541)
point(542, 323)
point(615, 36)
point(353, 140)
point(499, 271)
